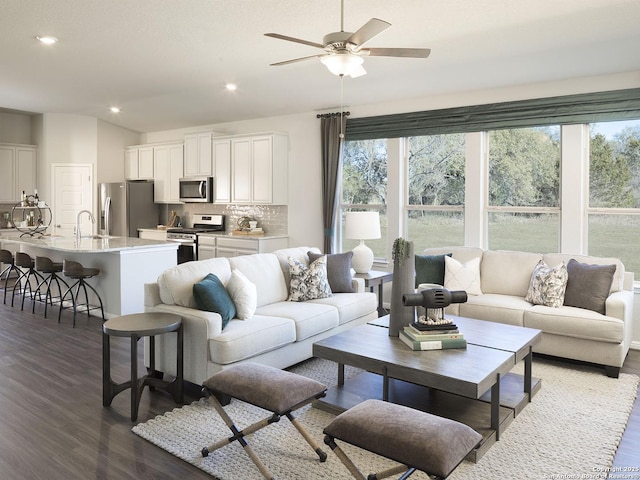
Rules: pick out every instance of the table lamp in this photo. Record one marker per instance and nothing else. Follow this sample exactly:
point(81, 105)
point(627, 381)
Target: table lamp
point(362, 226)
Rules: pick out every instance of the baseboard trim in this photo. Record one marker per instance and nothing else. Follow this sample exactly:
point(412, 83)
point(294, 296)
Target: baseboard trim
point(635, 345)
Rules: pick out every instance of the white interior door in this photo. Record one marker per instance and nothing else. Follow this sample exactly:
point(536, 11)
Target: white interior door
point(72, 192)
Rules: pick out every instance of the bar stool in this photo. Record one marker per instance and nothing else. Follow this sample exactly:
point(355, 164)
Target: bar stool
point(76, 271)
point(6, 258)
point(28, 271)
point(45, 265)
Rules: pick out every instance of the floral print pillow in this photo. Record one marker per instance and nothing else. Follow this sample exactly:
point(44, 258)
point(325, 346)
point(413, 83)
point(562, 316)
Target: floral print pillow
point(548, 285)
point(308, 283)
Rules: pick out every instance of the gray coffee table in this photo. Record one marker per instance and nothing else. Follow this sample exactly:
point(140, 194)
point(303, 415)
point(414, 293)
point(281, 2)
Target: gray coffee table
point(462, 384)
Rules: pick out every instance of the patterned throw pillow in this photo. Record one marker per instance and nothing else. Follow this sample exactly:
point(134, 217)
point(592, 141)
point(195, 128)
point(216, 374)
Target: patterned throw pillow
point(548, 285)
point(308, 283)
point(458, 276)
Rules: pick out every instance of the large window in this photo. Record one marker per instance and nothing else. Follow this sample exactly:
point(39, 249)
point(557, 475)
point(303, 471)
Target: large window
point(524, 189)
point(435, 190)
point(614, 191)
point(364, 187)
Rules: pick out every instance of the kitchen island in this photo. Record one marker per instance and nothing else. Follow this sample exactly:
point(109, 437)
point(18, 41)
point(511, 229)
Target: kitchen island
point(125, 264)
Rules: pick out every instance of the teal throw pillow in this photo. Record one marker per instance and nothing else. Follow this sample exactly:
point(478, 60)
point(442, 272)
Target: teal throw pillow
point(430, 269)
point(211, 296)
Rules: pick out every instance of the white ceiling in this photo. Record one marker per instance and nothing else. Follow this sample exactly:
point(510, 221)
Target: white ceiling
point(165, 62)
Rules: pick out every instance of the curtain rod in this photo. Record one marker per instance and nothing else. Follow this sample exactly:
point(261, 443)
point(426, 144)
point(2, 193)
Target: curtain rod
point(329, 115)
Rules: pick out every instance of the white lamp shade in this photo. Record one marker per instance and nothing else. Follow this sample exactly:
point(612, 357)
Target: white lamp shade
point(362, 225)
point(344, 64)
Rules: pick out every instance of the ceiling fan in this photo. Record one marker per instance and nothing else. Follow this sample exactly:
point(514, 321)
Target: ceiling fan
point(344, 52)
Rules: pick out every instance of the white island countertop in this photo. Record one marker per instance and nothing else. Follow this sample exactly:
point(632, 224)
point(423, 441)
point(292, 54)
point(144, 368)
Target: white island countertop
point(90, 244)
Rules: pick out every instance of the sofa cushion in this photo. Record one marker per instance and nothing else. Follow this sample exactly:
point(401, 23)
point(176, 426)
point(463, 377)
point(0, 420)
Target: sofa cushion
point(548, 285)
point(243, 293)
point(309, 318)
point(589, 285)
point(244, 339)
point(618, 280)
point(176, 283)
point(494, 307)
point(338, 271)
point(458, 276)
point(299, 253)
point(263, 270)
point(507, 272)
point(309, 282)
point(430, 269)
point(575, 322)
point(350, 305)
point(211, 295)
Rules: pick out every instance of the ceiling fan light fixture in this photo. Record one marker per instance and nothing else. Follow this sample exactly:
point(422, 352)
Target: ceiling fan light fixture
point(343, 63)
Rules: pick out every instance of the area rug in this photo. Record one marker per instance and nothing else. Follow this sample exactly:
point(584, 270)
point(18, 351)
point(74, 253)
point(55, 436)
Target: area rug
point(571, 430)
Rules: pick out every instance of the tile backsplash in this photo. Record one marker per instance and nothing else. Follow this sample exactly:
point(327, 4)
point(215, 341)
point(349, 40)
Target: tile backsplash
point(272, 218)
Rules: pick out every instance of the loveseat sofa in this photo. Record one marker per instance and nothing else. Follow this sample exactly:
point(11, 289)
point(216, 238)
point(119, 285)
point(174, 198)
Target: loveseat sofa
point(280, 333)
point(567, 331)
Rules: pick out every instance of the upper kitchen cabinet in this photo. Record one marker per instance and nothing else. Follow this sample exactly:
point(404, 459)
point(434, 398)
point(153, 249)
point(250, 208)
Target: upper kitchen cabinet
point(197, 155)
point(169, 168)
point(18, 167)
point(138, 163)
point(259, 169)
point(222, 171)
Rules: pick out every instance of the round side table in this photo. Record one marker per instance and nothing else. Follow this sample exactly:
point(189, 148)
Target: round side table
point(136, 326)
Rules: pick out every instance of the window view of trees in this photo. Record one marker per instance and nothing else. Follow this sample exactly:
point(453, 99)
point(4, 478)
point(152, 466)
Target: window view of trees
point(614, 188)
point(364, 186)
point(435, 182)
point(524, 182)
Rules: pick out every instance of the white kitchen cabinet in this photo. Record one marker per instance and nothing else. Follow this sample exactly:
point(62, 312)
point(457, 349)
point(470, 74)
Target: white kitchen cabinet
point(18, 171)
point(168, 164)
point(138, 163)
point(222, 171)
point(259, 169)
point(198, 155)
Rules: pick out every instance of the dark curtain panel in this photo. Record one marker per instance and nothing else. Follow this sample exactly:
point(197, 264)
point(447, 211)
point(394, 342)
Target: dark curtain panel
point(331, 126)
point(580, 108)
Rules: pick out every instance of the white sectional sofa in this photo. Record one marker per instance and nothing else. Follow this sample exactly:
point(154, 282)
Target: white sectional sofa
point(280, 333)
point(568, 331)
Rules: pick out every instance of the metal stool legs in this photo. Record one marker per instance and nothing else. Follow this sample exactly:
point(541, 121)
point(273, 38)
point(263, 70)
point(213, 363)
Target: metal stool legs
point(27, 265)
point(6, 257)
point(45, 265)
point(76, 271)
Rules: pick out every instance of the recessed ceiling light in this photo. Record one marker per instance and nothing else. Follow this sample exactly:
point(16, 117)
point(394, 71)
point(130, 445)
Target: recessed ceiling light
point(231, 87)
point(115, 109)
point(47, 39)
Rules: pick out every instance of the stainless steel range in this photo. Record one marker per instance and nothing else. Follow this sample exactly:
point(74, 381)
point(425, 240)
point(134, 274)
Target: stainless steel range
point(188, 238)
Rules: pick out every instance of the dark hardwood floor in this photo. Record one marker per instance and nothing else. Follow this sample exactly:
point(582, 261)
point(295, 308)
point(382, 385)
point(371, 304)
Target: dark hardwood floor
point(53, 425)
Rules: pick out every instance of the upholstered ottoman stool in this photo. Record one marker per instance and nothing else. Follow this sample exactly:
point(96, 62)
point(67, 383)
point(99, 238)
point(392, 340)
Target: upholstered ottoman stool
point(275, 390)
point(415, 439)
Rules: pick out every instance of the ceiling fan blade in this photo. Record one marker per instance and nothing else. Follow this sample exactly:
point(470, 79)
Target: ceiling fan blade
point(286, 62)
point(397, 52)
point(292, 39)
point(369, 30)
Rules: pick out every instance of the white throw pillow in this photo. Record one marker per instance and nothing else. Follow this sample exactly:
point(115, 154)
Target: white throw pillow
point(243, 293)
point(462, 277)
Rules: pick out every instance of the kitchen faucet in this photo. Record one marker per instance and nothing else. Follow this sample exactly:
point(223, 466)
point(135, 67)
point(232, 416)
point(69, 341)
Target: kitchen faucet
point(93, 220)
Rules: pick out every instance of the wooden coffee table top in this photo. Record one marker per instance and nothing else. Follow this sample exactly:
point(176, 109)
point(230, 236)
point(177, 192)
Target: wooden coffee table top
point(469, 372)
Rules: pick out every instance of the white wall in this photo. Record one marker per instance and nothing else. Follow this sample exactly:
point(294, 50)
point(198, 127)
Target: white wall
point(15, 128)
point(112, 140)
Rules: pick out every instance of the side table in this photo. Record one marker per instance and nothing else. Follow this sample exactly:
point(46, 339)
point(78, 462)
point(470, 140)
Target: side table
point(375, 278)
point(136, 326)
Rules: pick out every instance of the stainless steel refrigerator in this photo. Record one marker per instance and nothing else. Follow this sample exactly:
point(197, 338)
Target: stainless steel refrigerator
point(127, 206)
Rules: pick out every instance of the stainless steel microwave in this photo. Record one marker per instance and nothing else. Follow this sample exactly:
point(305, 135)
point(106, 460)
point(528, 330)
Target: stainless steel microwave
point(196, 190)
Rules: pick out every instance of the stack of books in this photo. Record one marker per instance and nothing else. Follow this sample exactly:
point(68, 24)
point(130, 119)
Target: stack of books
point(420, 336)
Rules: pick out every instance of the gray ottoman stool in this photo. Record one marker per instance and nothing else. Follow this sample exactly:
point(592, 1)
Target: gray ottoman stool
point(415, 439)
point(269, 388)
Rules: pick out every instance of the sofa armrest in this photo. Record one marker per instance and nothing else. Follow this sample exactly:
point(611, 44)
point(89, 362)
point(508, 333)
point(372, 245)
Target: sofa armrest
point(358, 285)
point(151, 295)
point(620, 305)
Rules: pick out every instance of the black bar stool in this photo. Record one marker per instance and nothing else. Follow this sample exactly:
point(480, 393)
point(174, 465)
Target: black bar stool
point(76, 271)
point(6, 258)
point(45, 265)
point(28, 271)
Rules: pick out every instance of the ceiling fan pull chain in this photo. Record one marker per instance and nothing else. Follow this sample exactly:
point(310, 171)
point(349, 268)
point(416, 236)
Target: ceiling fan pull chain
point(341, 106)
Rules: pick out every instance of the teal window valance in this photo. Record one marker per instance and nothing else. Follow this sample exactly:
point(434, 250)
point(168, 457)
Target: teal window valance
point(579, 108)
